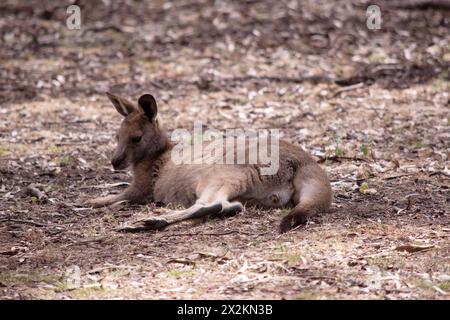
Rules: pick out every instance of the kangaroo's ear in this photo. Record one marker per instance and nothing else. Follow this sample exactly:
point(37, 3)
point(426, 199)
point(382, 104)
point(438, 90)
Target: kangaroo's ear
point(148, 104)
point(122, 105)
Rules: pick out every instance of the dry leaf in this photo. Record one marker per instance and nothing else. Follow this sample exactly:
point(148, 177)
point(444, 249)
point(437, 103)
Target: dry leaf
point(413, 248)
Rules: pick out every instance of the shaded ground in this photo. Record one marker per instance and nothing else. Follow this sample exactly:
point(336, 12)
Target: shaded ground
point(372, 106)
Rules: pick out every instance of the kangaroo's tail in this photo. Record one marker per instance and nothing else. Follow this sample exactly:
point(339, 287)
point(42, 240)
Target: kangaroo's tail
point(312, 195)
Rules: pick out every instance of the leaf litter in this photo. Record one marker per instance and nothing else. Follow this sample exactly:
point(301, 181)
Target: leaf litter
point(373, 107)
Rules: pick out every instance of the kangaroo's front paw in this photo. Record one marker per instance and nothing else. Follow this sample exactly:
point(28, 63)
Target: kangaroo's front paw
point(145, 225)
point(155, 223)
point(98, 202)
point(232, 209)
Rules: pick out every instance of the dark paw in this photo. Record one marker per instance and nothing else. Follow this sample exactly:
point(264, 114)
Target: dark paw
point(289, 222)
point(145, 225)
point(232, 210)
point(155, 223)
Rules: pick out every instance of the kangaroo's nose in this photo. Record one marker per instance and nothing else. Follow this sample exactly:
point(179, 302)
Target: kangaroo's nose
point(117, 163)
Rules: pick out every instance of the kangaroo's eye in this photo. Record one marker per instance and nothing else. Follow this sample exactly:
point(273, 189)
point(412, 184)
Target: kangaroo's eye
point(136, 139)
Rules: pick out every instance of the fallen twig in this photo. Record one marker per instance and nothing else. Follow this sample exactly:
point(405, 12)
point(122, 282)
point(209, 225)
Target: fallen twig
point(337, 158)
point(86, 241)
point(9, 252)
point(201, 234)
point(111, 267)
point(182, 261)
point(213, 234)
point(348, 88)
point(399, 176)
point(30, 222)
point(211, 255)
point(106, 185)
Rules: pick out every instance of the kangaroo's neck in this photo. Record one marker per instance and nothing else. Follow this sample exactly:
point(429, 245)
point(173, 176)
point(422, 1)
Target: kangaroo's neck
point(147, 170)
point(151, 165)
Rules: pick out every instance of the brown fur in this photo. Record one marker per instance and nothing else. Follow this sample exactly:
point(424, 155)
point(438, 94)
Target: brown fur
point(212, 189)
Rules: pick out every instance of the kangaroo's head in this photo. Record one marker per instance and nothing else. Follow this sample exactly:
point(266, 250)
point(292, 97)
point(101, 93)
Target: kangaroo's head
point(140, 135)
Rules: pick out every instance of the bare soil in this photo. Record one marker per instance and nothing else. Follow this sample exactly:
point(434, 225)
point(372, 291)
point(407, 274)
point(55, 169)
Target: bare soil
point(371, 105)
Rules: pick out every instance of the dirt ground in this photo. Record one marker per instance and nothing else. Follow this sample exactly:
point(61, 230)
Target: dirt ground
point(371, 105)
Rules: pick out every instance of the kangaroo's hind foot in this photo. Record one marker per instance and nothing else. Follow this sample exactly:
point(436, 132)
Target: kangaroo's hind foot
point(212, 202)
point(198, 210)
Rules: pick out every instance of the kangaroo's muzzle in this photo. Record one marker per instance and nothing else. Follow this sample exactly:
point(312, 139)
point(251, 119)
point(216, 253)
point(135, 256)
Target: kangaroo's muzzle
point(119, 162)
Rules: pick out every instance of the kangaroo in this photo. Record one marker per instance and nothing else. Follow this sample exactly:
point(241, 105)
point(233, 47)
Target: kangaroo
point(208, 189)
